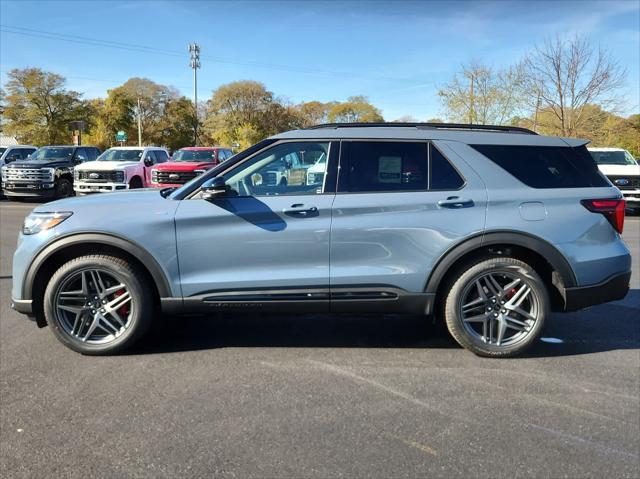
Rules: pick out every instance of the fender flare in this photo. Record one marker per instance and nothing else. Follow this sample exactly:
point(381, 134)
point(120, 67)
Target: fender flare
point(549, 252)
point(148, 261)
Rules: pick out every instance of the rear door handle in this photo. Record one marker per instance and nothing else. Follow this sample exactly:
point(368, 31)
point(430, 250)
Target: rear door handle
point(301, 211)
point(456, 202)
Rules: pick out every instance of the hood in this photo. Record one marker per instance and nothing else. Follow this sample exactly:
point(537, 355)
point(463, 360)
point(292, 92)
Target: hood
point(105, 165)
point(118, 200)
point(52, 163)
point(184, 165)
point(620, 170)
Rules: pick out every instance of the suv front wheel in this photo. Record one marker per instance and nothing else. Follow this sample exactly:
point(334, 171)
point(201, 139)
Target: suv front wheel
point(98, 304)
point(497, 307)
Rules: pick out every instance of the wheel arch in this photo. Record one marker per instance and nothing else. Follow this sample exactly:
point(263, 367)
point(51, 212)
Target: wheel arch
point(52, 256)
point(548, 262)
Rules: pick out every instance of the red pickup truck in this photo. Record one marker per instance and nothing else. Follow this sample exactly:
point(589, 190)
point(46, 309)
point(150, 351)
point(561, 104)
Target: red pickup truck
point(186, 164)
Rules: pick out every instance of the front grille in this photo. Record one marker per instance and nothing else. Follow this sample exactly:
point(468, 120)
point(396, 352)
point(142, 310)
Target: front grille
point(173, 177)
point(270, 178)
point(101, 176)
point(26, 174)
point(632, 182)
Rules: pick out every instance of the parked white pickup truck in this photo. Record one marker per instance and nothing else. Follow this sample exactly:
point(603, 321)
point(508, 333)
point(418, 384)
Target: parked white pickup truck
point(623, 171)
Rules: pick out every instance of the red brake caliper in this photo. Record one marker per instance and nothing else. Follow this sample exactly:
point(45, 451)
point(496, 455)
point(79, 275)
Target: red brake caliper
point(123, 310)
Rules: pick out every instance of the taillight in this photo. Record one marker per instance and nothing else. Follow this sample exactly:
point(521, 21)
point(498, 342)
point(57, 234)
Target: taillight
point(613, 210)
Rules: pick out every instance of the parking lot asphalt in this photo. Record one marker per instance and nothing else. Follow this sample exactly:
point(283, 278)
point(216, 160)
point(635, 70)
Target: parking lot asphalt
point(321, 396)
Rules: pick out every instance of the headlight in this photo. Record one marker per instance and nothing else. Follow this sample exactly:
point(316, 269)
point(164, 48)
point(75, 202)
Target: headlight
point(199, 172)
point(76, 175)
point(119, 176)
point(50, 171)
point(37, 222)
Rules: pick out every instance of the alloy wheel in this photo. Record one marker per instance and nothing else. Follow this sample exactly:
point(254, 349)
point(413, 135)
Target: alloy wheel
point(93, 306)
point(499, 308)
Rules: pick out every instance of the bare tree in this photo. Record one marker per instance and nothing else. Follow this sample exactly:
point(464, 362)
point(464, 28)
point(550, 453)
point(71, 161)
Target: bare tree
point(482, 95)
point(565, 76)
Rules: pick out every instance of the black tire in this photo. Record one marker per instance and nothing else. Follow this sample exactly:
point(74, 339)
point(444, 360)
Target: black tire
point(64, 188)
point(463, 283)
point(135, 183)
point(141, 304)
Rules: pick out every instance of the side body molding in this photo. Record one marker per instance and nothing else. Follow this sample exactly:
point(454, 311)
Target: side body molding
point(156, 271)
point(538, 245)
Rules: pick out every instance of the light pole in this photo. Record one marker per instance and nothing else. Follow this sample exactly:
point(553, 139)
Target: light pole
point(194, 50)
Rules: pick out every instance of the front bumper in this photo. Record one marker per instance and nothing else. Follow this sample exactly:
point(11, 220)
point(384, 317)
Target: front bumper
point(632, 197)
point(29, 190)
point(611, 289)
point(166, 185)
point(85, 188)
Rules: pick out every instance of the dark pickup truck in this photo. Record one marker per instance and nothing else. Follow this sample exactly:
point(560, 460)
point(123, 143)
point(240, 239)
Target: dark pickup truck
point(47, 173)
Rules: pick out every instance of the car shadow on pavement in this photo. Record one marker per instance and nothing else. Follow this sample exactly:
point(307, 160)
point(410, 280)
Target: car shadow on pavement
point(606, 327)
point(174, 334)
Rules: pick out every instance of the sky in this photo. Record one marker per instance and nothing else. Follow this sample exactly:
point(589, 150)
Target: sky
point(397, 53)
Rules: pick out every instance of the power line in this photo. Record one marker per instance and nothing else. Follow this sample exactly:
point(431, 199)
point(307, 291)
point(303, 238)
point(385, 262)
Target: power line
point(31, 32)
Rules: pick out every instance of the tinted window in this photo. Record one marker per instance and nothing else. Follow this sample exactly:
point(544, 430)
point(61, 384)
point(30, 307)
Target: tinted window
point(615, 157)
point(150, 154)
point(443, 175)
point(546, 166)
point(161, 156)
point(92, 153)
point(385, 166)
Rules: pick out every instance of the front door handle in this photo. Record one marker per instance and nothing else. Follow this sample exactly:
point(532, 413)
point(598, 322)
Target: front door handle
point(456, 202)
point(301, 211)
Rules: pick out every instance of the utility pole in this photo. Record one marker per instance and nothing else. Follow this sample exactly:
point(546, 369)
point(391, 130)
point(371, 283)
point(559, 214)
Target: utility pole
point(194, 50)
point(139, 124)
point(471, 100)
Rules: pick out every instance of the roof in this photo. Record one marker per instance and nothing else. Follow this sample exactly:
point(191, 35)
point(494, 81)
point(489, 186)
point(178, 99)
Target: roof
point(202, 148)
point(8, 140)
point(134, 147)
point(470, 134)
point(607, 149)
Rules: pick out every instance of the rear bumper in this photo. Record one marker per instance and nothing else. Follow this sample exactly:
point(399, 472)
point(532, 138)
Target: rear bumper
point(611, 289)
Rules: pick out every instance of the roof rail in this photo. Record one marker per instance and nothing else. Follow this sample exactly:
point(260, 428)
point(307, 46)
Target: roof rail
point(428, 126)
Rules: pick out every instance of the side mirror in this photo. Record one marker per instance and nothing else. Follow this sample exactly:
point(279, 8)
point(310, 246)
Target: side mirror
point(148, 161)
point(214, 188)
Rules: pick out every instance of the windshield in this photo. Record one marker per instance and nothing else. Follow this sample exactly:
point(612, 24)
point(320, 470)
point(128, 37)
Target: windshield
point(120, 155)
point(613, 158)
point(48, 153)
point(194, 155)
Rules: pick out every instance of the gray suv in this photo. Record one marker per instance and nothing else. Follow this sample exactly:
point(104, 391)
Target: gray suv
point(487, 228)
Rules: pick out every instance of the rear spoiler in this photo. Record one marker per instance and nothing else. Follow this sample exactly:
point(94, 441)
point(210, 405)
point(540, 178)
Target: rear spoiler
point(575, 142)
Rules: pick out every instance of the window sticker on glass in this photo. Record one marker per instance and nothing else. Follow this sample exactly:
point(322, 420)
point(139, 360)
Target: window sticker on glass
point(390, 169)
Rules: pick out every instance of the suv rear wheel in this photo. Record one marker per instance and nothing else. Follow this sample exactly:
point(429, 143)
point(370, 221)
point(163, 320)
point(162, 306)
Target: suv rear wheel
point(98, 304)
point(497, 307)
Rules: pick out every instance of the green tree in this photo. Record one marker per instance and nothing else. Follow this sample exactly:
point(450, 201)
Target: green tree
point(245, 112)
point(38, 107)
point(180, 123)
point(355, 109)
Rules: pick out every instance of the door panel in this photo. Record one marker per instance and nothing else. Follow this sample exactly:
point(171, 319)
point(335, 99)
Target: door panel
point(276, 239)
point(247, 242)
point(394, 238)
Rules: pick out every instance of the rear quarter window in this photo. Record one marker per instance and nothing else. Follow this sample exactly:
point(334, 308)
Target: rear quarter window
point(546, 166)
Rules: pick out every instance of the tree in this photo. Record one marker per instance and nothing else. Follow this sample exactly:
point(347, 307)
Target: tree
point(565, 76)
point(314, 112)
point(38, 107)
point(355, 109)
point(245, 112)
point(482, 95)
point(180, 123)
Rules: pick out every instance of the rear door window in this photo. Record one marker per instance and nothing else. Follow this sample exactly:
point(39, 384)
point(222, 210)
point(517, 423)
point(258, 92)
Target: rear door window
point(443, 176)
point(546, 166)
point(376, 166)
